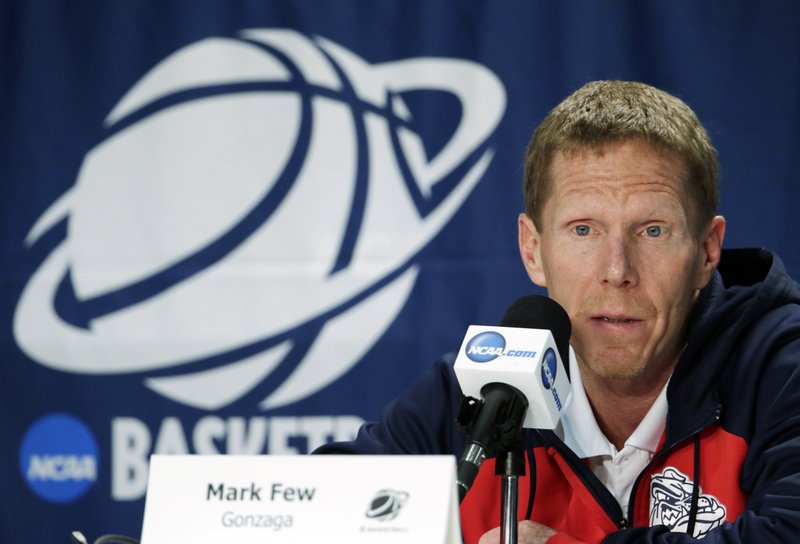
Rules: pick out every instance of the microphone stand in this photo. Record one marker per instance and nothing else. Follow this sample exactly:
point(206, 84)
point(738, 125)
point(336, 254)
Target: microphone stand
point(510, 468)
point(495, 424)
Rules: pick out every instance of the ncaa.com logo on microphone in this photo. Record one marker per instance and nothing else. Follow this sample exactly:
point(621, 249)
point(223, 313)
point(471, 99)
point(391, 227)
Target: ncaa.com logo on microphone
point(244, 230)
point(489, 345)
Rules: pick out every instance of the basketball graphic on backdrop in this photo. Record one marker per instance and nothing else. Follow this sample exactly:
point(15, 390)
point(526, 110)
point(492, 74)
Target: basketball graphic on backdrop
point(251, 212)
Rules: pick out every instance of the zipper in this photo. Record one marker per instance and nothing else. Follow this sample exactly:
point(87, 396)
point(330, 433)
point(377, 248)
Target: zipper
point(592, 483)
point(599, 491)
point(665, 451)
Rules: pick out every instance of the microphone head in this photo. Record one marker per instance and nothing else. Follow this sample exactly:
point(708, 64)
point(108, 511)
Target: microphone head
point(539, 312)
point(528, 351)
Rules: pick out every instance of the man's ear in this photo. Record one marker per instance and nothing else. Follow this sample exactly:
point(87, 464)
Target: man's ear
point(530, 250)
point(712, 249)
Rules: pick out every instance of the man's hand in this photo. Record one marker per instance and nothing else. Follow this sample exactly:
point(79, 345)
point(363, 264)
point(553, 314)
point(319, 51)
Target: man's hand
point(528, 532)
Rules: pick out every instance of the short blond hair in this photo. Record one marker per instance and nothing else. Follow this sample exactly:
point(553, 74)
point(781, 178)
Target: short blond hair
point(607, 112)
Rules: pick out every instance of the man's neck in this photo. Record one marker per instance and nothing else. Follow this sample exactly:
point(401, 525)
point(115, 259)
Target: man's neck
point(620, 405)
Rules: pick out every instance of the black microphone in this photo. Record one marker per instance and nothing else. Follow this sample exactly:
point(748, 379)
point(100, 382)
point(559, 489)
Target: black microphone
point(511, 376)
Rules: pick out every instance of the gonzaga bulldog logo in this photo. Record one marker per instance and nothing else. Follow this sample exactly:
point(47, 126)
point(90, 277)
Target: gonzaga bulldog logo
point(671, 501)
point(248, 224)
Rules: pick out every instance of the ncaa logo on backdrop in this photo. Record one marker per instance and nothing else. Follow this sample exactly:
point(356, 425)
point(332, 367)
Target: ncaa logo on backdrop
point(247, 225)
point(58, 458)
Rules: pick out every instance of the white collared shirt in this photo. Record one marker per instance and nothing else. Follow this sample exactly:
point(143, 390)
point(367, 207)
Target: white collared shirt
point(616, 469)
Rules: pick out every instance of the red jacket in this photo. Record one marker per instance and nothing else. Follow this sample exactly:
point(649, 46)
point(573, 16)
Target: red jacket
point(664, 492)
point(727, 468)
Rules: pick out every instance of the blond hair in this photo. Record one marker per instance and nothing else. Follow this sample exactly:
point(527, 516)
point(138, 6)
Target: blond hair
point(607, 112)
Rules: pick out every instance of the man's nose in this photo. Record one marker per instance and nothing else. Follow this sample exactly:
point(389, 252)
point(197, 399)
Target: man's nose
point(618, 266)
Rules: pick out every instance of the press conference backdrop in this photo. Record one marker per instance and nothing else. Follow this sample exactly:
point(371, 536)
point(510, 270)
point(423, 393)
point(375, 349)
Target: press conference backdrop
point(244, 227)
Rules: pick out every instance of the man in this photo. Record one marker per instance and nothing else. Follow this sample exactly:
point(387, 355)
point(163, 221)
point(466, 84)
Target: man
point(684, 421)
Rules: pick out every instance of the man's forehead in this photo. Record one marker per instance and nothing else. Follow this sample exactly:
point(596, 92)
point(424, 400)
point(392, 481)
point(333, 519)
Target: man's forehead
point(620, 191)
point(626, 172)
point(577, 151)
point(622, 165)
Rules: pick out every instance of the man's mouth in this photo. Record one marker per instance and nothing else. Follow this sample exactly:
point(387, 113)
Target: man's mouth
point(616, 319)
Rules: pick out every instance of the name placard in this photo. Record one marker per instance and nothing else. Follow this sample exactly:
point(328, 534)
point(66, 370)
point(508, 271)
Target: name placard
point(301, 499)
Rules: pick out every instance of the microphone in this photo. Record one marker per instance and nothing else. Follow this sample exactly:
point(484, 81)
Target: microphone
point(512, 376)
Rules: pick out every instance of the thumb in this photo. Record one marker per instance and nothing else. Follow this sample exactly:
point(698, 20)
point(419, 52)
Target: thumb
point(490, 537)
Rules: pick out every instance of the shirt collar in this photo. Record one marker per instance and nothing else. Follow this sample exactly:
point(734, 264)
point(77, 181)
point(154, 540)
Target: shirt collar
point(583, 435)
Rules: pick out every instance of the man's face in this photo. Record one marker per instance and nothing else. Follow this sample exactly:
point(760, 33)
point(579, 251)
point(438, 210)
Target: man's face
point(616, 250)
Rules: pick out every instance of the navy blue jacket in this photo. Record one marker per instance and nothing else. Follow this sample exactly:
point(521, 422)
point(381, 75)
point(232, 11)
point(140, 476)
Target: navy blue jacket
point(728, 466)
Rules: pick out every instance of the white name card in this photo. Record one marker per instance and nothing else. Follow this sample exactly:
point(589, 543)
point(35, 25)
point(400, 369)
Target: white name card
point(207, 499)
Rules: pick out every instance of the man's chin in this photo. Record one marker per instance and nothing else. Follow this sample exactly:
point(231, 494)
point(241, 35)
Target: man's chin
point(613, 366)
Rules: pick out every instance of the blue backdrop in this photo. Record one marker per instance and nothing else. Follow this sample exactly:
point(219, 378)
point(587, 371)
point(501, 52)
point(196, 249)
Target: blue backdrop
point(243, 227)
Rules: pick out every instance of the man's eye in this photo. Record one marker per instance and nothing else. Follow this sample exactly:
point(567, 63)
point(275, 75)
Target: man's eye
point(654, 231)
point(582, 230)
